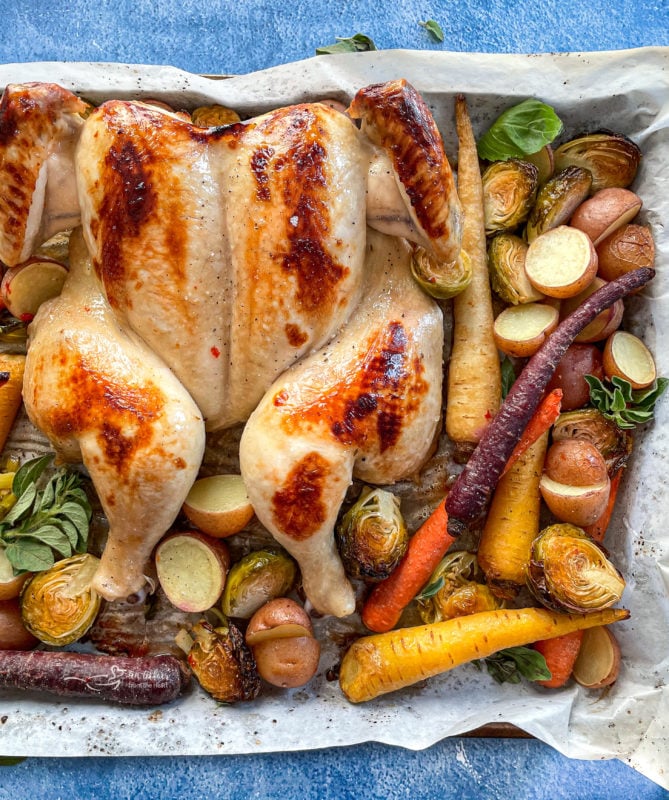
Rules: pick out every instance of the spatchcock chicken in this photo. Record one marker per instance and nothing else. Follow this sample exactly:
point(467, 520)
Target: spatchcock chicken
point(269, 272)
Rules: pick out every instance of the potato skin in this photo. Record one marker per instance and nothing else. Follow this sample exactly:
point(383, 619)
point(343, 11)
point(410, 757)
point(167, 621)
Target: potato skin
point(575, 462)
point(627, 248)
point(284, 662)
point(606, 211)
point(13, 633)
point(579, 360)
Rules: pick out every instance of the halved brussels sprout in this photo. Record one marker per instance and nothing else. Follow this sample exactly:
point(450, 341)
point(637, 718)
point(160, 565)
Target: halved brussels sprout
point(438, 279)
point(506, 264)
point(557, 200)
point(611, 158)
point(223, 663)
point(59, 605)
point(256, 578)
point(454, 589)
point(544, 161)
point(214, 116)
point(371, 536)
point(614, 443)
point(568, 571)
point(509, 191)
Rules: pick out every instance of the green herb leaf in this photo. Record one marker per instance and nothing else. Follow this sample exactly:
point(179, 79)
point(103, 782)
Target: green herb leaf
point(22, 506)
point(519, 131)
point(27, 555)
point(434, 29)
point(623, 405)
point(28, 473)
point(431, 589)
point(508, 375)
point(354, 44)
point(514, 663)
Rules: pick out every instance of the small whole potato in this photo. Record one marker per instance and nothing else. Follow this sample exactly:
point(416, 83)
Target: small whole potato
point(627, 248)
point(281, 637)
point(13, 633)
point(575, 462)
point(579, 360)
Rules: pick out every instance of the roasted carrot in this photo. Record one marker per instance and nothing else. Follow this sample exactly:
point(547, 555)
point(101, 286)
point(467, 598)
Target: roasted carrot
point(426, 548)
point(560, 654)
point(474, 373)
point(385, 662)
point(471, 491)
point(541, 421)
point(598, 528)
point(10, 392)
point(512, 523)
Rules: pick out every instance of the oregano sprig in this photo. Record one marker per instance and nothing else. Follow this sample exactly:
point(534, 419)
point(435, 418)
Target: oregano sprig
point(622, 404)
point(47, 521)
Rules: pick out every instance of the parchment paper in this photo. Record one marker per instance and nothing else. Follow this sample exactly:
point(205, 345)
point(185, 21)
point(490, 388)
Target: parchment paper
point(626, 91)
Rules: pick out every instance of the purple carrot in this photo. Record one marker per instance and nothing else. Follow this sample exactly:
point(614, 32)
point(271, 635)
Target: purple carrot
point(143, 681)
point(473, 488)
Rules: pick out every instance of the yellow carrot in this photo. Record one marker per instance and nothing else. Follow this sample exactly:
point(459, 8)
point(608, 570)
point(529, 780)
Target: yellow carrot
point(512, 523)
point(385, 662)
point(10, 392)
point(474, 374)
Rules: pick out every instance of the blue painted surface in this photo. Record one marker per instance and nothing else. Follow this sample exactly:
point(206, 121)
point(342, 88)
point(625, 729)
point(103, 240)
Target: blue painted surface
point(224, 36)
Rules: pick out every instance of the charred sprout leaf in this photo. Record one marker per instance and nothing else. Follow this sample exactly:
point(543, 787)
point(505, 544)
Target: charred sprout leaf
point(514, 663)
point(59, 604)
point(256, 578)
point(372, 536)
point(612, 441)
point(45, 523)
point(568, 571)
point(223, 664)
point(434, 29)
point(508, 375)
point(354, 44)
point(611, 158)
point(557, 200)
point(622, 404)
point(520, 130)
point(509, 191)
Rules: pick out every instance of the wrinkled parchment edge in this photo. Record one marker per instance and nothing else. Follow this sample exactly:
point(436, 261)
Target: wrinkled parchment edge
point(623, 90)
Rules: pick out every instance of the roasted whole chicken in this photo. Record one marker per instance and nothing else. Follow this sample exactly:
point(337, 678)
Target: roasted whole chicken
point(269, 272)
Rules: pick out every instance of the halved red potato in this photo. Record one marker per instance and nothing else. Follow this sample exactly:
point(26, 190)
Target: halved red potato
point(10, 584)
point(606, 211)
point(521, 330)
point(626, 356)
point(25, 287)
point(604, 323)
point(627, 248)
point(192, 569)
point(218, 505)
point(579, 360)
point(561, 262)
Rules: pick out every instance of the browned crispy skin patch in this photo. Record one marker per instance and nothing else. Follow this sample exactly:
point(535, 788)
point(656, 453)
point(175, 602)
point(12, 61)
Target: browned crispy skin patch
point(399, 121)
point(298, 507)
point(295, 336)
point(373, 403)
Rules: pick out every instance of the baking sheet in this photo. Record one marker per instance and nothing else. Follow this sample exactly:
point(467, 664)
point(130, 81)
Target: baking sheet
point(626, 91)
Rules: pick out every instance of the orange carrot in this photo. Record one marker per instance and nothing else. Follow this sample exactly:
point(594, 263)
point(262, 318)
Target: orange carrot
point(560, 654)
point(598, 528)
point(426, 548)
point(542, 419)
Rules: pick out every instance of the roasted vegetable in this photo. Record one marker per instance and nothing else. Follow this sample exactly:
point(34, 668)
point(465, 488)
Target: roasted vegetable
point(506, 263)
point(453, 590)
point(213, 116)
point(372, 536)
point(612, 441)
point(222, 662)
point(568, 571)
point(256, 578)
point(438, 279)
point(557, 200)
point(611, 158)
point(509, 192)
point(59, 605)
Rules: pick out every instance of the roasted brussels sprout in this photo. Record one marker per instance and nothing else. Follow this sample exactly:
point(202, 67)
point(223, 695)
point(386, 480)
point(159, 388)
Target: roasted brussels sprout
point(568, 571)
point(506, 263)
point(544, 161)
point(222, 662)
point(454, 590)
point(59, 605)
point(557, 200)
point(614, 443)
point(371, 536)
point(611, 158)
point(213, 116)
point(509, 192)
point(438, 279)
point(256, 578)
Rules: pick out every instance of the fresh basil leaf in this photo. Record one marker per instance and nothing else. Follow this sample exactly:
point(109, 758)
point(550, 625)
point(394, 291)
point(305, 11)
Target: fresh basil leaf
point(520, 131)
point(30, 472)
point(27, 555)
point(508, 375)
point(434, 29)
point(509, 665)
point(354, 44)
point(431, 589)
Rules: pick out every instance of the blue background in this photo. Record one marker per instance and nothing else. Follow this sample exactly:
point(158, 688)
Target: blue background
point(235, 36)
